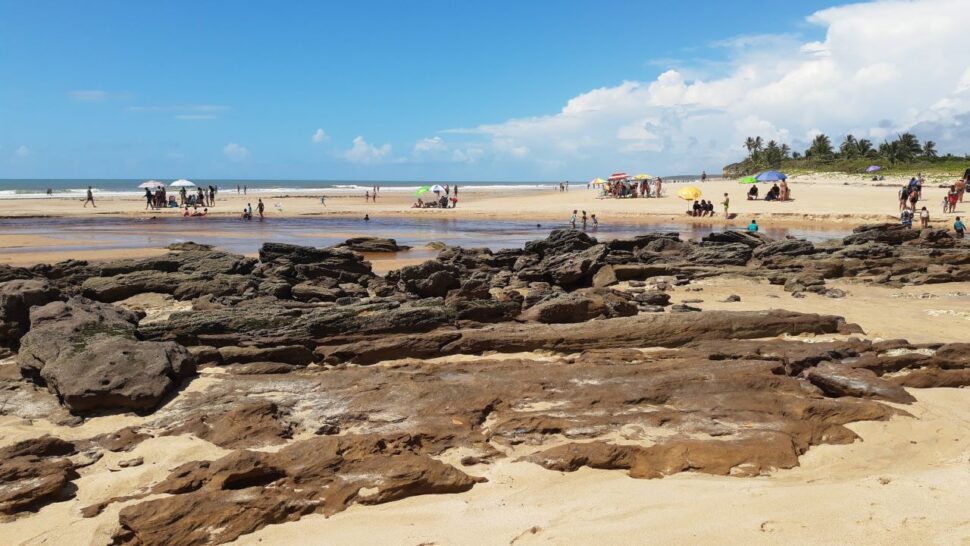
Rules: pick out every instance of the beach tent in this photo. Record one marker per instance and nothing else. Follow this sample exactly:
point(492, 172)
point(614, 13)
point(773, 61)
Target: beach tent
point(771, 176)
point(422, 189)
point(748, 180)
point(873, 168)
point(689, 193)
point(615, 177)
point(151, 184)
point(182, 183)
point(437, 189)
point(643, 176)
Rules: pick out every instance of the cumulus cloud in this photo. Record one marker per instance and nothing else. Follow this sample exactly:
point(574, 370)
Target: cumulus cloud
point(235, 152)
point(430, 145)
point(22, 151)
point(320, 136)
point(881, 68)
point(363, 152)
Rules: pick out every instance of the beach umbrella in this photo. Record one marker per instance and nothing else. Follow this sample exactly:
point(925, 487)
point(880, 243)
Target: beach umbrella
point(643, 176)
point(873, 168)
point(151, 184)
point(597, 181)
point(437, 189)
point(422, 189)
point(182, 183)
point(689, 193)
point(617, 176)
point(748, 180)
point(771, 176)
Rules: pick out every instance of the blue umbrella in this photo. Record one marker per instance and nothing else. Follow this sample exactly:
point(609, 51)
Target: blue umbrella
point(771, 176)
point(873, 168)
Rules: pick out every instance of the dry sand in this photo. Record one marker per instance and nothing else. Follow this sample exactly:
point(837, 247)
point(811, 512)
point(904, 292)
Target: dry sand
point(840, 200)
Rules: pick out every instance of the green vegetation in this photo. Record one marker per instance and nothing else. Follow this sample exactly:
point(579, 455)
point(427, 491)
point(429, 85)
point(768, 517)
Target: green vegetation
point(904, 155)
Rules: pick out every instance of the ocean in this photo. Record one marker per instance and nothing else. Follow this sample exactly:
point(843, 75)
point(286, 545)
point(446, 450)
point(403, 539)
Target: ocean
point(33, 188)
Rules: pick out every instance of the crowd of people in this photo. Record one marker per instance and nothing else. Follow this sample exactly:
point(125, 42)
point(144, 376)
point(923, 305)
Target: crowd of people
point(633, 188)
point(441, 200)
point(584, 220)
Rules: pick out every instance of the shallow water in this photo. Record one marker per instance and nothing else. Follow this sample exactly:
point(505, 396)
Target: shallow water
point(247, 236)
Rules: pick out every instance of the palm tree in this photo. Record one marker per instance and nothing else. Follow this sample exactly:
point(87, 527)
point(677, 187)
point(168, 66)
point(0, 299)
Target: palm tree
point(849, 148)
point(909, 145)
point(758, 144)
point(773, 154)
point(821, 148)
point(864, 147)
point(749, 145)
point(785, 151)
point(929, 149)
point(893, 152)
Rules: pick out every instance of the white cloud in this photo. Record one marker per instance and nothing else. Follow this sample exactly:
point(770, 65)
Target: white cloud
point(320, 136)
point(430, 145)
point(22, 151)
point(235, 152)
point(881, 68)
point(88, 95)
point(362, 152)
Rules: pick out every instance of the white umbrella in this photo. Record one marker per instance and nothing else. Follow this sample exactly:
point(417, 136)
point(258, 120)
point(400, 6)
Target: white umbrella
point(182, 183)
point(151, 184)
point(437, 189)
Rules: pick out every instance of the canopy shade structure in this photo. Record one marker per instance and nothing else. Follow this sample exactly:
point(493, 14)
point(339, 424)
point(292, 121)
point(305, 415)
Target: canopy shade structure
point(422, 189)
point(182, 183)
point(873, 168)
point(643, 176)
point(689, 193)
point(771, 176)
point(617, 176)
point(437, 189)
point(151, 184)
point(748, 180)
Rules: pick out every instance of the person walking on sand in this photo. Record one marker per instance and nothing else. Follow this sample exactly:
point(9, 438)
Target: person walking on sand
point(572, 220)
point(260, 207)
point(924, 218)
point(903, 197)
point(959, 228)
point(703, 176)
point(90, 199)
point(753, 226)
point(727, 204)
point(149, 199)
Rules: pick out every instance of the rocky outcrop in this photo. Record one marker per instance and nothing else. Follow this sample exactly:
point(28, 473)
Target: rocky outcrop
point(431, 279)
point(580, 306)
point(647, 330)
point(840, 380)
point(16, 299)
point(212, 502)
point(34, 473)
point(87, 354)
point(372, 244)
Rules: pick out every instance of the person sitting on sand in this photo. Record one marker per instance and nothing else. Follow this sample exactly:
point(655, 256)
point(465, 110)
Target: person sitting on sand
point(454, 202)
point(696, 209)
point(924, 218)
point(247, 215)
point(959, 228)
point(753, 226)
point(753, 193)
point(773, 193)
point(367, 217)
point(186, 213)
point(203, 213)
point(709, 207)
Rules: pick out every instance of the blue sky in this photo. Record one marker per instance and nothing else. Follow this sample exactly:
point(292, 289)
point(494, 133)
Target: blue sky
point(400, 90)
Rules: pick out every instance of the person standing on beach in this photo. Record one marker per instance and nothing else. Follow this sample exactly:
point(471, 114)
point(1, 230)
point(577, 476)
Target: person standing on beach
point(260, 207)
point(924, 218)
point(584, 220)
point(727, 205)
point(456, 191)
point(703, 176)
point(149, 198)
point(572, 220)
point(245, 189)
point(182, 196)
point(596, 223)
point(50, 192)
point(90, 199)
point(238, 189)
point(367, 197)
point(903, 197)
point(659, 184)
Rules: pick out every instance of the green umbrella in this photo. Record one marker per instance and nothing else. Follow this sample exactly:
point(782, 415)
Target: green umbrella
point(422, 189)
point(748, 180)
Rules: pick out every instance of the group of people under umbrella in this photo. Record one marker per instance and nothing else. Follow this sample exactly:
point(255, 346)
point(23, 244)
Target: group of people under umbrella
point(621, 185)
point(443, 197)
point(158, 197)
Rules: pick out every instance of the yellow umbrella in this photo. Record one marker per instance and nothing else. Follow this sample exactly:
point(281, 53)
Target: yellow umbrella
point(689, 193)
point(598, 181)
point(643, 176)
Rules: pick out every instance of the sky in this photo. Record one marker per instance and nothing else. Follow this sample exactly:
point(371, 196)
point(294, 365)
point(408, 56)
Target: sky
point(443, 90)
